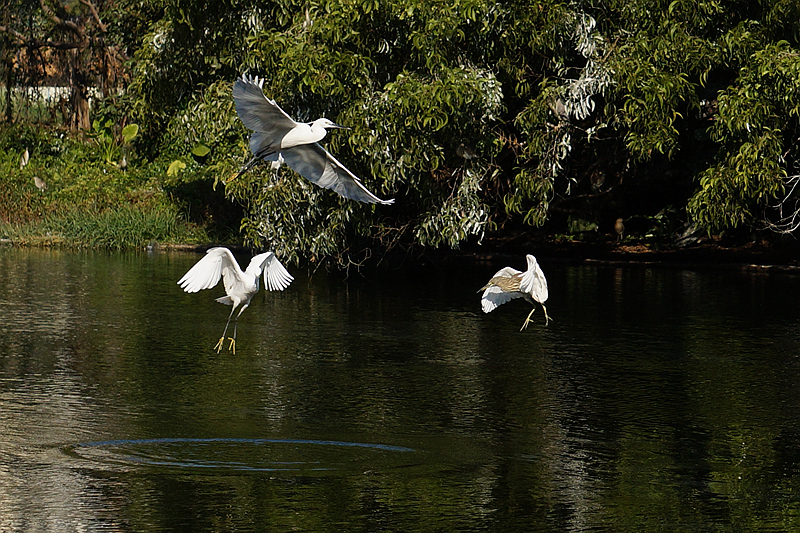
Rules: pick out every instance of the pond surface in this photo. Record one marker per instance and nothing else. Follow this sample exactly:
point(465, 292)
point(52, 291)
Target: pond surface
point(655, 400)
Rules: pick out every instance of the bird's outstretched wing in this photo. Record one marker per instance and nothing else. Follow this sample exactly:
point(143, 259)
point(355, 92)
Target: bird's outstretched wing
point(493, 297)
point(497, 291)
point(262, 115)
point(318, 166)
point(534, 282)
point(205, 273)
point(276, 277)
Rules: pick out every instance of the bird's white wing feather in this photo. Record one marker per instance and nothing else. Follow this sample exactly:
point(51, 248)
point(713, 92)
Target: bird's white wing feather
point(494, 296)
point(276, 277)
point(205, 273)
point(534, 282)
point(317, 165)
point(232, 278)
point(260, 114)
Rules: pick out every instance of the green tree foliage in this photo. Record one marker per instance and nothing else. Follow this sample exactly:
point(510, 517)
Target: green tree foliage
point(757, 128)
point(475, 113)
point(719, 69)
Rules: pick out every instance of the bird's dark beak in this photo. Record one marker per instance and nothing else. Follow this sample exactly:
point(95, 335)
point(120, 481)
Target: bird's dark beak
point(341, 127)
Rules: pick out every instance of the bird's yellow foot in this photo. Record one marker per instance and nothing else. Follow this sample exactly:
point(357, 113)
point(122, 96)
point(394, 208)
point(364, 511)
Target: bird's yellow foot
point(232, 346)
point(218, 346)
point(527, 320)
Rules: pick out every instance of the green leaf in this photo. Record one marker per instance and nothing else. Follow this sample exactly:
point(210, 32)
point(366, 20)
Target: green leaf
point(129, 132)
point(201, 150)
point(175, 167)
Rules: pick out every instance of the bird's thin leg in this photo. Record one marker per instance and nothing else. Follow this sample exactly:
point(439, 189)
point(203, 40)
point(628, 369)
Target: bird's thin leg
point(546, 316)
point(528, 319)
point(250, 164)
point(218, 347)
point(232, 346)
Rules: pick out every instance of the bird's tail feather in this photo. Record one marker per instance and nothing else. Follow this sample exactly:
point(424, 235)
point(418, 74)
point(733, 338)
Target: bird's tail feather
point(225, 300)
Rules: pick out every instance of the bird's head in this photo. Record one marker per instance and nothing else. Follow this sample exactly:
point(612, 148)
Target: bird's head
point(327, 124)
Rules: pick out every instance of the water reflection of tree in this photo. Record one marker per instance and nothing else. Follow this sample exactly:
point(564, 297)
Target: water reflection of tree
point(46, 399)
point(655, 400)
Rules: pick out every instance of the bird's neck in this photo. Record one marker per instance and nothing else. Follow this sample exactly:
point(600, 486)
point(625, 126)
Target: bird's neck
point(318, 131)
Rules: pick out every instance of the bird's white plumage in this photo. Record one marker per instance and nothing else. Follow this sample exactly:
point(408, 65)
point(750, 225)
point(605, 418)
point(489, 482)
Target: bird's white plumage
point(509, 283)
point(206, 273)
point(240, 286)
point(220, 263)
point(307, 133)
point(533, 281)
point(275, 134)
point(276, 278)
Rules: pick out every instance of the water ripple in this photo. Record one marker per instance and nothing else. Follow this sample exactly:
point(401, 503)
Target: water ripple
point(242, 454)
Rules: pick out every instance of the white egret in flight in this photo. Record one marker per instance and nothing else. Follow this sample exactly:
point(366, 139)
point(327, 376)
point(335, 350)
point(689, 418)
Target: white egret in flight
point(240, 287)
point(277, 137)
point(509, 283)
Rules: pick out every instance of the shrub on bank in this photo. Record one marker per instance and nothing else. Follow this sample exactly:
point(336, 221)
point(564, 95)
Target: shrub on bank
point(70, 194)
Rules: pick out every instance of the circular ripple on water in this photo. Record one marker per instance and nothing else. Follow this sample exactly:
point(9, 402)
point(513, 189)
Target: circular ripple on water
point(243, 455)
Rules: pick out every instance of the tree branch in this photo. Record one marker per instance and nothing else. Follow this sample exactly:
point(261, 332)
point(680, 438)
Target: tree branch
point(14, 33)
point(787, 223)
point(58, 21)
point(95, 15)
point(38, 43)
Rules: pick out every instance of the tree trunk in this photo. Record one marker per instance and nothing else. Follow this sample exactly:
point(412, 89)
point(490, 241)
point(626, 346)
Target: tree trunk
point(9, 89)
point(79, 98)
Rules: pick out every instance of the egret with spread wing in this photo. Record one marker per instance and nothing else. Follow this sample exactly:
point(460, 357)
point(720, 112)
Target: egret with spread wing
point(509, 283)
point(240, 287)
point(276, 137)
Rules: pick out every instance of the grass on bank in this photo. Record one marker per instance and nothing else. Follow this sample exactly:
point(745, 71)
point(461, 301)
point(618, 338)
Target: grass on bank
point(88, 201)
point(119, 228)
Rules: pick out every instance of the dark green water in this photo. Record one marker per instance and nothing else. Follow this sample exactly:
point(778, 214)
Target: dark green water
point(656, 400)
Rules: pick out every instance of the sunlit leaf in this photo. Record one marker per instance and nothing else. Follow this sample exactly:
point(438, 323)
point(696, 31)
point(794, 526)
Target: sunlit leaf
point(201, 150)
point(129, 132)
point(175, 167)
